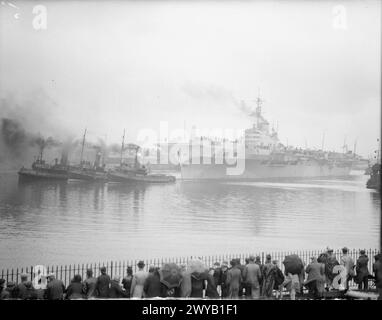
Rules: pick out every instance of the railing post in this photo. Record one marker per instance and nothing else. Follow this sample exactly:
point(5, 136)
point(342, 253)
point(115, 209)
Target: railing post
point(111, 269)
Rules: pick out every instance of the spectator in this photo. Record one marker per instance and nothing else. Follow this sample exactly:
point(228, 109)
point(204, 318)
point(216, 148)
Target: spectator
point(252, 276)
point(152, 285)
point(75, 289)
point(269, 277)
point(30, 292)
point(224, 284)
point(362, 270)
point(316, 278)
point(138, 282)
point(103, 284)
point(348, 262)
point(90, 285)
point(21, 288)
point(126, 281)
point(234, 279)
point(55, 288)
point(116, 291)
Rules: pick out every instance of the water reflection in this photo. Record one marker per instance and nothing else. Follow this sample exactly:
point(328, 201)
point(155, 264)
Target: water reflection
point(66, 222)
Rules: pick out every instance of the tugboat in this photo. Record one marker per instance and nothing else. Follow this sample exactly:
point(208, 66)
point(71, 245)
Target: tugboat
point(41, 170)
point(127, 173)
point(86, 171)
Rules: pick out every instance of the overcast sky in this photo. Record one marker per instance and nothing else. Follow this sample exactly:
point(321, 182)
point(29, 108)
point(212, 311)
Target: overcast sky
point(111, 65)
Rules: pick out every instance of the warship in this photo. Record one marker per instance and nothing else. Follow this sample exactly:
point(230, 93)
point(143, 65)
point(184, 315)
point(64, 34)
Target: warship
point(265, 157)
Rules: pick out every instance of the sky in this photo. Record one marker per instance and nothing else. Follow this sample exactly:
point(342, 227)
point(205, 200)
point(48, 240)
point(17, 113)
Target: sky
point(112, 65)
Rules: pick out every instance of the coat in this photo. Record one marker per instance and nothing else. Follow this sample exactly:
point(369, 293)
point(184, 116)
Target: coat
point(55, 290)
point(197, 284)
point(330, 263)
point(126, 283)
point(185, 285)
point(211, 291)
point(139, 278)
point(21, 290)
point(316, 272)
point(103, 284)
point(316, 277)
point(234, 279)
point(4, 294)
point(90, 286)
point(115, 290)
point(224, 285)
point(361, 267)
point(348, 262)
point(252, 275)
point(377, 269)
point(30, 294)
point(217, 276)
point(152, 286)
point(269, 279)
point(75, 291)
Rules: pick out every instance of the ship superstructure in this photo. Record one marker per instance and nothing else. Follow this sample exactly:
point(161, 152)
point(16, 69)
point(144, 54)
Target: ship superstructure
point(265, 157)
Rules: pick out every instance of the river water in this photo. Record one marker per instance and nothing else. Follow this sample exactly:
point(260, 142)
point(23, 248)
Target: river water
point(78, 222)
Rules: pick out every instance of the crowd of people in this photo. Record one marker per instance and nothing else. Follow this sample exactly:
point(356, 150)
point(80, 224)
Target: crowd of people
point(252, 280)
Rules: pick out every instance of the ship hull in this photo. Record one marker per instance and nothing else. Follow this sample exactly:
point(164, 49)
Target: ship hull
point(31, 174)
point(150, 178)
point(89, 176)
point(255, 170)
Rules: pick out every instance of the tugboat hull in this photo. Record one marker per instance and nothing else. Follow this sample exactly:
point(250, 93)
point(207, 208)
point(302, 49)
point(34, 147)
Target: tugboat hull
point(149, 178)
point(32, 174)
point(88, 176)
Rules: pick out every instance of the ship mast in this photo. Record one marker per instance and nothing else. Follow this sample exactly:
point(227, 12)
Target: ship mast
point(83, 145)
point(123, 145)
point(323, 141)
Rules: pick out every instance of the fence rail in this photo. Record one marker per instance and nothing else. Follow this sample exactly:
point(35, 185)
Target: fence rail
point(67, 272)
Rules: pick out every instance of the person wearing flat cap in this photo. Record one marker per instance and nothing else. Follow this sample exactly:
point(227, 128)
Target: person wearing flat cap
point(348, 262)
point(138, 282)
point(362, 271)
point(269, 274)
point(330, 262)
point(55, 288)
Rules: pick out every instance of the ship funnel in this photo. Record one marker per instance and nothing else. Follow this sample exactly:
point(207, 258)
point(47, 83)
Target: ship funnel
point(97, 162)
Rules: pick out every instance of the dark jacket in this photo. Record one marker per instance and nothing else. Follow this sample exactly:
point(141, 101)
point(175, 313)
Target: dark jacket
point(21, 290)
point(4, 294)
point(126, 283)
point(30, 294)
point(116, 291)
point(90, 286)
point(55, 290)
point(103, 283)
point(361, 268)
point(197, 284)
point(75, 291)
point(218, 276)
point(377, 269)
point(224, 284)
point(211, 291)
point(9, 293)
point(152, 286)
